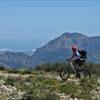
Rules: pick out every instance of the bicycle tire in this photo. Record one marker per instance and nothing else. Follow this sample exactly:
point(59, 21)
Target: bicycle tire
point(64, 75)
point(86, 72)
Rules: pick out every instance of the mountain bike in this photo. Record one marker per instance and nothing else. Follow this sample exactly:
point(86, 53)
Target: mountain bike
point(66, 72)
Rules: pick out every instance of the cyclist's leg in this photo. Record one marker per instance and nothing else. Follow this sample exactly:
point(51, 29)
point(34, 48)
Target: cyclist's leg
point(77, 64)
point(73, 67)
point(77, 67)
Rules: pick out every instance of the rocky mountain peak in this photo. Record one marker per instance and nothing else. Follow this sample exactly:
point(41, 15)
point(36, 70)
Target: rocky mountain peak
point(64, 41)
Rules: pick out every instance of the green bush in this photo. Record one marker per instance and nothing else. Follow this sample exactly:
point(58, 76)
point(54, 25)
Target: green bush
point(10, 81)
point(34, 96)
point(56, 67)
point(69, 88)
point(15, 71)
point(3, 69)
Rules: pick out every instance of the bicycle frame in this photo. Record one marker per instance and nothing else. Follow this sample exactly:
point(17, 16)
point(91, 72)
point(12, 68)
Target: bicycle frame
point(72, 66)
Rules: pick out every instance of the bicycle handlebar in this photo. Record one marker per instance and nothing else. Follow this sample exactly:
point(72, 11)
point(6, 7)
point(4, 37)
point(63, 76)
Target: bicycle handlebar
point(67, 59)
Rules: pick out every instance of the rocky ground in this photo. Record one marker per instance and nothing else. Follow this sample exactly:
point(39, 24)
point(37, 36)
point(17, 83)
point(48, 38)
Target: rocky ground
point(47, 86)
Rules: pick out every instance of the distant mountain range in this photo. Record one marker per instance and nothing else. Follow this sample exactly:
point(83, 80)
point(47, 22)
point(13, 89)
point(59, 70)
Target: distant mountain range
point(56, 50)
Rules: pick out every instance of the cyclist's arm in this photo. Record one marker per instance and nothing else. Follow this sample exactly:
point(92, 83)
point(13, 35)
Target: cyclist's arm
point(73, 56)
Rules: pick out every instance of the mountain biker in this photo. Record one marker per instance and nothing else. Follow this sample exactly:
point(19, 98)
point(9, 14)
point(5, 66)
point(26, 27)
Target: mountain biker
point(77, 59)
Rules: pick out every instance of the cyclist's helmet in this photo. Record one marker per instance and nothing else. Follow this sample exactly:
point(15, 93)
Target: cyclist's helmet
point(74, 47)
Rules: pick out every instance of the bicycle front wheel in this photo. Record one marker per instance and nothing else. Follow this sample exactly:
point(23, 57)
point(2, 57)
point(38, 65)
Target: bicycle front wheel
point(64, 74)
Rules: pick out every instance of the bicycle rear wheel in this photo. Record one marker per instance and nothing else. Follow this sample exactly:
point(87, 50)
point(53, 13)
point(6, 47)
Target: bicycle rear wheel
point(86, 72)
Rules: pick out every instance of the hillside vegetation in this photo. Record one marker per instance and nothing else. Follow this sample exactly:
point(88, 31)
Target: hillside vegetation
point(56, 67)
point(44, 83)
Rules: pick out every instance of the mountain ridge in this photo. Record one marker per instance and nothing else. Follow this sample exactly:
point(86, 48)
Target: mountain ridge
point(56, 50)
point(62, 46)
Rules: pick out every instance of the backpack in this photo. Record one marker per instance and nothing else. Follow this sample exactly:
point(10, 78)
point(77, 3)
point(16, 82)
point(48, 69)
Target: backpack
point(83, 54)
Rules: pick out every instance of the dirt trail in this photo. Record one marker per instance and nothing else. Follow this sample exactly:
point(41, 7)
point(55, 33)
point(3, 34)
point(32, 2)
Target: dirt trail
point(5, 74)
point(46, 75)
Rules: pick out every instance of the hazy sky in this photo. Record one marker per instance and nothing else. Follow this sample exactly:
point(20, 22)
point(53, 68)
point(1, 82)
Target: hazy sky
point(28, 24)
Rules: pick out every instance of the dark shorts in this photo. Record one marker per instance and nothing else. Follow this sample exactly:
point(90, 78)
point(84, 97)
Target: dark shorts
point(79, 62)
